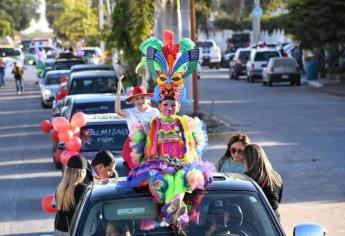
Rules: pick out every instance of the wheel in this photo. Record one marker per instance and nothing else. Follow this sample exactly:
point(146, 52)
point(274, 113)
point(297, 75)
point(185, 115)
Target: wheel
point(44, 105)
point(264, 83)
point(231, 75)
point(298, 82)
point(270, 83)
point(236, 77)
point(251, 79)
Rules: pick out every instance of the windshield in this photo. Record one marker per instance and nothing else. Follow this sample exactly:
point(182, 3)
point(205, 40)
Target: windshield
point(53, 79)
point(228, 212)
point(98, 107)
point(66, 65)
point(265, 56)
point(93, 85)
point(109, 136)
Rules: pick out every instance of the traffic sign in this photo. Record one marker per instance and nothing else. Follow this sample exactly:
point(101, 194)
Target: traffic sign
point(257, 12)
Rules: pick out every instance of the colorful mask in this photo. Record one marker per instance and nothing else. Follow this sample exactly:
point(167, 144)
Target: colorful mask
point(170, 64)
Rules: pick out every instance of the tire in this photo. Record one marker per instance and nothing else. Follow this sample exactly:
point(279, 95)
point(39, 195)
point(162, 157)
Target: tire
point(251, 79)
point(264, 83)
point(236, 77)
point(269, 83)
point(44, 105)
point(298, 82)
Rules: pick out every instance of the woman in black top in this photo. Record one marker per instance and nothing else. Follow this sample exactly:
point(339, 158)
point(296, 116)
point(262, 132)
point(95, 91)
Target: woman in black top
point(260, 169)
point(69, 192)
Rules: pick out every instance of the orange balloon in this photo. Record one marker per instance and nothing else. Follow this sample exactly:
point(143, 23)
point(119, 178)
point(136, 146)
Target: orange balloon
point(47, 204)
point(79, 119)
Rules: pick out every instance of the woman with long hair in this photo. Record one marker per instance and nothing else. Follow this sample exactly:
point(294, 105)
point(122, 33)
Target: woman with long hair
point(261, 171)
point(232, 160)
point(69, 192)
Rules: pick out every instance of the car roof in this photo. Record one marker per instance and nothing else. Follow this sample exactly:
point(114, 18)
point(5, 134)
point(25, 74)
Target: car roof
point(92, 66)
point(222, 182)
point(50, 72)
point(89, 98)
point(93, 73)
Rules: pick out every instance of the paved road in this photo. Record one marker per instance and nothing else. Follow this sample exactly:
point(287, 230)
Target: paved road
point(26, 170)
point(303, 132)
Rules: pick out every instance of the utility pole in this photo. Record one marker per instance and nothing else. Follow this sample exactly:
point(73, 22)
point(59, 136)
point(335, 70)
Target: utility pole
point(256, 14)
point(101, 21)
point(194, 76)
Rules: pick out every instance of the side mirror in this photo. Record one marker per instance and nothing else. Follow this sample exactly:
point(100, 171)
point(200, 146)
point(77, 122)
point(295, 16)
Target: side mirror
point(309, 229)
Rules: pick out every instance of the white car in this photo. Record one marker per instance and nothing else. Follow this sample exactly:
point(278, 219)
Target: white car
point(258, 60)
point(93, 55)
point(49, 86)
point(210, 53)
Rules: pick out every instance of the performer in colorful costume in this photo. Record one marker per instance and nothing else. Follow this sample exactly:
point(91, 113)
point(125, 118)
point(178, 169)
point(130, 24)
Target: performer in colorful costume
point(168, 157)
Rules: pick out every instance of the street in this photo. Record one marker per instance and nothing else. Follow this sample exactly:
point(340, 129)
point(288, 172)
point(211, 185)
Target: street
point(301, 130)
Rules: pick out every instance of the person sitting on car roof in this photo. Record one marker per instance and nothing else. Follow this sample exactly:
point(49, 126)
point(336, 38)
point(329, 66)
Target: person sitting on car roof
point(168, 156)
point(102, 168)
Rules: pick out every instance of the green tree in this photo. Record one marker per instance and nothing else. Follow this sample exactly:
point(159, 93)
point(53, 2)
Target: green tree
point(78, 19)
point(318, 25)
point(21, 12)
point(6, 24)
point(132, 23)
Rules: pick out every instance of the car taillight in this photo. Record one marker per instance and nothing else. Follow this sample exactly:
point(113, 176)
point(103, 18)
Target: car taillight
point(253, 66)
point(237, 60)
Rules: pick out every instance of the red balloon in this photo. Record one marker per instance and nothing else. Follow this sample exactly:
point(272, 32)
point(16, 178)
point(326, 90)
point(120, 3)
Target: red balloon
point(74, 144)
point(47, 204)
point(46, 126)
point(65, 135)
point(79, 119)
point(61, 124)
point(54, 136)
point(66, 155)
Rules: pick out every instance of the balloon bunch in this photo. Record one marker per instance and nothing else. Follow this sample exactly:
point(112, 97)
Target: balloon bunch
point(61, 130)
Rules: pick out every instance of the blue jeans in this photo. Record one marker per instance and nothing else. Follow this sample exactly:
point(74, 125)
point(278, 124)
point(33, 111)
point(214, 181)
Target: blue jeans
point(2, 78)
point(19, 84)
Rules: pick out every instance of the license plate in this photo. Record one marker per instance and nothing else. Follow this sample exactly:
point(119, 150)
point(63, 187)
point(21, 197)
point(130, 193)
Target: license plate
point(285, 76)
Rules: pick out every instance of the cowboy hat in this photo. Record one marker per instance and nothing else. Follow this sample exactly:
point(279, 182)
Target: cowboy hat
point(138, 91)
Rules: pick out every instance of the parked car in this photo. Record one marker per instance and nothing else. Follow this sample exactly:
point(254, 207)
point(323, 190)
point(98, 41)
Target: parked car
point(93, 55)
point(232, 204)
point(102, 131)
point(210, 53)
point(227, 58)
point(237, 66)
point(281, 69)
point(49, 86)
point(258, 59)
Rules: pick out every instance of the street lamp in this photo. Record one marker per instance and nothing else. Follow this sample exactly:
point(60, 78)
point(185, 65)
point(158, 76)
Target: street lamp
point(256, 14)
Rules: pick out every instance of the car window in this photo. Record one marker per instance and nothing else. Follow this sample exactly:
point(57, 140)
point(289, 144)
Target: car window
point(98, 137)
point(241, 213)
point(7, 52)
point(265, 56)
point(53, 79)
point(244, 56)
point(93, 85)
point(98, 107)
point(66, 65)
point(204, 44)
point(89, 53)
point(285, 62)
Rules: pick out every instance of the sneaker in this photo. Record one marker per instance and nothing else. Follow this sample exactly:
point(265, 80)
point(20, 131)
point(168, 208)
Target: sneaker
point(19, 92)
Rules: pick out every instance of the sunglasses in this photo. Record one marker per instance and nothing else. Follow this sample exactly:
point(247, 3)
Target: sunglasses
point(234, 150)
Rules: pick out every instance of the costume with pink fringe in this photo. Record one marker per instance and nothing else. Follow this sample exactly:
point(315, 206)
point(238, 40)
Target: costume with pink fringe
point(167, 158)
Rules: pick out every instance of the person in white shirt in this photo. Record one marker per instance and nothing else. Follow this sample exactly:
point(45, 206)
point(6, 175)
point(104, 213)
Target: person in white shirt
point(142, 112)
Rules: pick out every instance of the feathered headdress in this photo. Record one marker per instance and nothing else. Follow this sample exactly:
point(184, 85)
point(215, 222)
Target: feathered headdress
point(170, 63)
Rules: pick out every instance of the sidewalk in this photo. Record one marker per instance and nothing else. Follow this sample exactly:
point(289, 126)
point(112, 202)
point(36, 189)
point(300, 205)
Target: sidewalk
point(335, 87)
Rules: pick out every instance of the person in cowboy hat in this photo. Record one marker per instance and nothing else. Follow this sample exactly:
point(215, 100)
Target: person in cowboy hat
point(142, 112)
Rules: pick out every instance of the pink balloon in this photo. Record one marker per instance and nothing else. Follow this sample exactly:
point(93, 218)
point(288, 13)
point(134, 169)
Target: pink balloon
point(65, 135)
point(79, 119)
point(54, 136)
point(76, 132)
point(74, 144)
point(60, 124)
point(65, 156)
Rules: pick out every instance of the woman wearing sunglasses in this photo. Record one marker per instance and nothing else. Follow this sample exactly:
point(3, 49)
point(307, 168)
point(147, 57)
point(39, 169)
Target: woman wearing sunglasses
point(232, 160)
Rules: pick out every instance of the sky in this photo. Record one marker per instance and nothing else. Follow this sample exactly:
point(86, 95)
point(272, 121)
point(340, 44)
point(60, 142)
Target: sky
point(40, 25)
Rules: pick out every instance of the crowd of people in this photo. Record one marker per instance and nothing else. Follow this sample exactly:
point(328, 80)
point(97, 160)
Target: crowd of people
point(164, 150)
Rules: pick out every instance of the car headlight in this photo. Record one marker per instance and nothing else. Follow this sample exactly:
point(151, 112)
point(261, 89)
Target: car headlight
point(47, 93)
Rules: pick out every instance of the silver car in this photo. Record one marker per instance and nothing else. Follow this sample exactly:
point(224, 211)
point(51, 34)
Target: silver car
point(49, 86)
point(281, 69)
